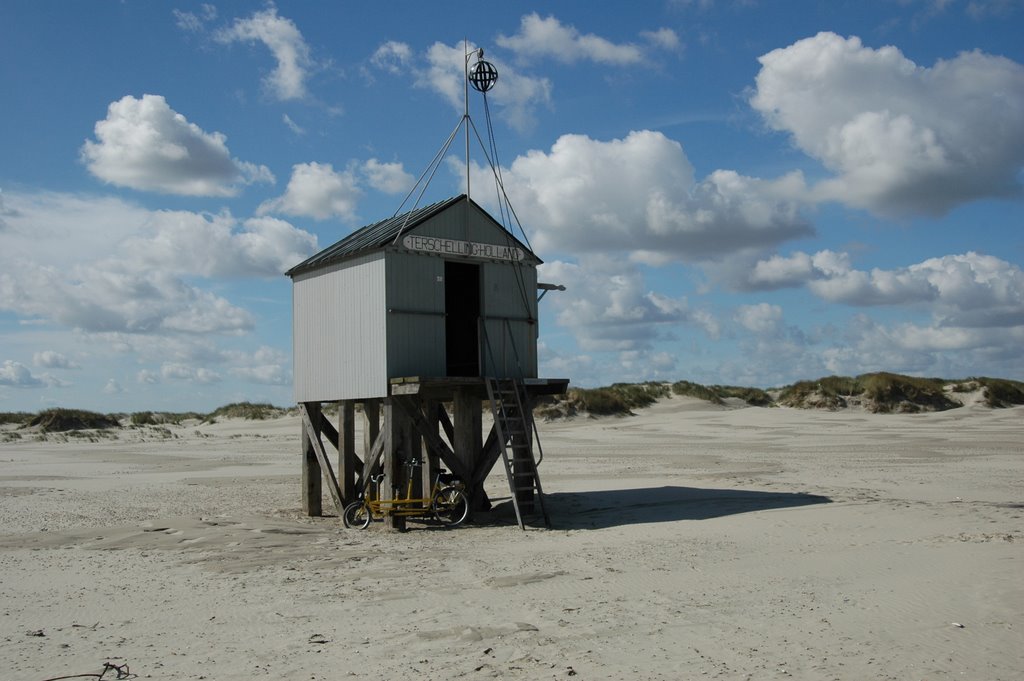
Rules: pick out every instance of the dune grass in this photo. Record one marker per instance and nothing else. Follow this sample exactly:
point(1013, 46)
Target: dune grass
point(879, 392)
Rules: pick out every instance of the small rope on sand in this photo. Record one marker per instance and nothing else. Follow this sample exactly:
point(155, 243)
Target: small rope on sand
point(121, 671)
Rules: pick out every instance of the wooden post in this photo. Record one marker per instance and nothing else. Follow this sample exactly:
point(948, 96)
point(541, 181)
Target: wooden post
point(347, 462)
point(312, 499)
point(468, 436)
point(394, 473)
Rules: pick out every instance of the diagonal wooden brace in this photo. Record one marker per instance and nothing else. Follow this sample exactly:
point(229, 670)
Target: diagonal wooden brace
point(321, 456)
point(434, 441)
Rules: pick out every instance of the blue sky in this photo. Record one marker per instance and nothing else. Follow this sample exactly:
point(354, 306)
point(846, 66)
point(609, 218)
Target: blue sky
point(732, 192)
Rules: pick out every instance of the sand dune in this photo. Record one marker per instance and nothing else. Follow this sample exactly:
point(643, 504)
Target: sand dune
point(690, 541)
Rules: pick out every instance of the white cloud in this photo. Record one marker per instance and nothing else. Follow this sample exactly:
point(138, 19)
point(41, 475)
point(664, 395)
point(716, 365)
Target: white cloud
point(218, 246)
point(146, 145)
point(102, 297)
point(148, 377)
point(267, 366)
point(182, 372)
point(393, 57)
point(638, 195)
point(17, 375)
point(968, 290)
point(268, 374)
point(112, 387)
point(103, 265)
point(607, 305)
point(292, 125)
point(50, 359)
point(193, 22)
point(284, 40)
point(901, 138)
point(389, 178)
point(665, 38)
point(933, 350)
point(318, 191)
point(761, 318)
point(548, 37)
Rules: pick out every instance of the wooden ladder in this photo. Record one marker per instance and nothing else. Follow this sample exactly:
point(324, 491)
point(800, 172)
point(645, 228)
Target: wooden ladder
point(514, 426)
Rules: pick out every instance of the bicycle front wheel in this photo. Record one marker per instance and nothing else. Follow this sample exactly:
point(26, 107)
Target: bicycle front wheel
point(356, 515)
point(450, 506)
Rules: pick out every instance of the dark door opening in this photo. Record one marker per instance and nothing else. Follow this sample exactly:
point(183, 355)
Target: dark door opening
point(462, 314)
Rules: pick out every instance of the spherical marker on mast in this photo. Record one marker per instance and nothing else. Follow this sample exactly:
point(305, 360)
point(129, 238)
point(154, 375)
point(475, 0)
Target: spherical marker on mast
point(483, 75)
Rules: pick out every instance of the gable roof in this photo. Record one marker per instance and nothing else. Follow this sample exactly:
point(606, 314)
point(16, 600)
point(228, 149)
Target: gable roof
point(382, 234)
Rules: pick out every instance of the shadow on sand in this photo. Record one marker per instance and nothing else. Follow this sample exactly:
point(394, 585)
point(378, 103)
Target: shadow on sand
point(613, 508)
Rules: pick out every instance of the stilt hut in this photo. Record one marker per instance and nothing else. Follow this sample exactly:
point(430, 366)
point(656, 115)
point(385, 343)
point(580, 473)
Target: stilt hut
point(420, 318)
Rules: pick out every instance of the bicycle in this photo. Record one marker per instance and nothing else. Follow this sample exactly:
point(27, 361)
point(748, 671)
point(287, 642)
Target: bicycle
point(447, 502)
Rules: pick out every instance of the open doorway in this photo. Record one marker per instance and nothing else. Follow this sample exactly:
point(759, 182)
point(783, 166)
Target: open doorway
point(462, 314)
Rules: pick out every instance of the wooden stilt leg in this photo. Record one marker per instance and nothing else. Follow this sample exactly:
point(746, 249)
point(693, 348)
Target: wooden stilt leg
point(347, 461)
point(468, 436)
point(312, 490)
point(394, 474)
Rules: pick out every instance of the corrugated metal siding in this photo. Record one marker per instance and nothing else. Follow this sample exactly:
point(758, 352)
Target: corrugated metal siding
point(339, 330)
point(359, 320)
point(415, 323)
point(509, 303)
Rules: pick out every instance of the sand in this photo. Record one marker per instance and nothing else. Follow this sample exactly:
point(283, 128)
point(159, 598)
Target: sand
point(689, 541)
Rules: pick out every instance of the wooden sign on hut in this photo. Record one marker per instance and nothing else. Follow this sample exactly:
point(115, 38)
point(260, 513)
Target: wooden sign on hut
point(434, 307)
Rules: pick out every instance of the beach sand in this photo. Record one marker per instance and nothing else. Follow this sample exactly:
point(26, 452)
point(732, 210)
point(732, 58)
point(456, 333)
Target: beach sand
point(689, 541)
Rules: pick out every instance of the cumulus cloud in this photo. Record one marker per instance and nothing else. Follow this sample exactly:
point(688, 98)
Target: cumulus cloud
point(146, 145)
point(132, 279)
point(389, 178)
point(760, 318)
point(607, 305)
point(901, 138)
point(318, 191)
point(182, 372)
point(50, 359)
point(187, 243)
point(104, 297)
point(969, 290)
point(548, 37)
point(147, 377)
point(17, 375)
point(265, 366)
point(284, 40)
point(928, 349)
point(664, 38)
point(639, 195)
point(393, 57)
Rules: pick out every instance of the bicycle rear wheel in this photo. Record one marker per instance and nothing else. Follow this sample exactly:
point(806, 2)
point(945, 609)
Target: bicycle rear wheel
point(356, 515)
point(450, 506)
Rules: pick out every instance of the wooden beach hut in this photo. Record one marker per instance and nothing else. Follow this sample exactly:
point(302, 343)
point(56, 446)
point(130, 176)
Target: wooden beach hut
point(420, 318)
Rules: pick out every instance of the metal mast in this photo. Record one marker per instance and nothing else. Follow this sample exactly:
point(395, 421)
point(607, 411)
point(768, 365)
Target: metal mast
point(465, 115)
